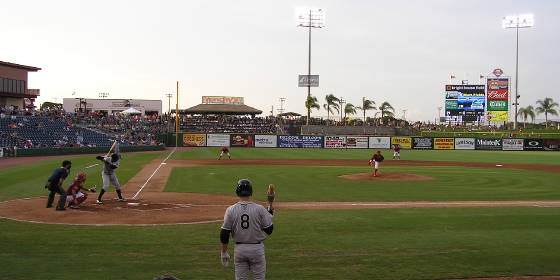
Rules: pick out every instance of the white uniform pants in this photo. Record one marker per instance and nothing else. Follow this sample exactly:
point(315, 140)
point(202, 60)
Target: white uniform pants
point(110, 178)
point(249, 257)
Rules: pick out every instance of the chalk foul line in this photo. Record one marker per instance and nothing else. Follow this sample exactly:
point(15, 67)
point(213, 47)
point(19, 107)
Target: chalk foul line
point(154, 173)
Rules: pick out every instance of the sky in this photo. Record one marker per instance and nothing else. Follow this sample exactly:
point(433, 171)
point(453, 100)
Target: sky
point(402, 52)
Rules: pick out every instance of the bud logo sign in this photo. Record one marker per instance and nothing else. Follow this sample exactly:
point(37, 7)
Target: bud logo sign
point(497, 105)
point(497, 94)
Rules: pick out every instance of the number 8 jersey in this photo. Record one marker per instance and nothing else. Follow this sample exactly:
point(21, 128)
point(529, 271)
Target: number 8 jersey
point(246, 220)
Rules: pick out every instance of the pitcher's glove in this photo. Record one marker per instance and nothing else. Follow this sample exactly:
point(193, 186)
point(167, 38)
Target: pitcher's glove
point(99, 157)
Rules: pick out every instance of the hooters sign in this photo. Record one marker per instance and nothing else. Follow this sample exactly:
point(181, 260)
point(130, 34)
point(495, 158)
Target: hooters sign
point(497, 94)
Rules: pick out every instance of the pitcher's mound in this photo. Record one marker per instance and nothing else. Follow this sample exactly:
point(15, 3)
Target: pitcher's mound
point(386, 176)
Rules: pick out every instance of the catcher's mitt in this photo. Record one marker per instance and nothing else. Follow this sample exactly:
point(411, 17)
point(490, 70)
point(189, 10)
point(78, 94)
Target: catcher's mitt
point(93, 189)
point(270, 193)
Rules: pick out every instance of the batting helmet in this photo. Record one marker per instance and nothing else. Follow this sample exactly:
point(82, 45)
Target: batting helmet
point(81, 177)
point(244, 188)
point(114, 157)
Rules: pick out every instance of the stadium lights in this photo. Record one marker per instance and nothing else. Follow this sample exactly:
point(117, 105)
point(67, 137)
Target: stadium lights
point(310, 18)
point(517, 21)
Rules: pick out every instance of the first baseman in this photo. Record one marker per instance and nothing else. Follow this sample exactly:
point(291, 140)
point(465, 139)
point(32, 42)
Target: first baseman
point(54, 184)
point(246, 222)
point(376, 159)
point(108, 174)
point(223, 151)
point(397, 151)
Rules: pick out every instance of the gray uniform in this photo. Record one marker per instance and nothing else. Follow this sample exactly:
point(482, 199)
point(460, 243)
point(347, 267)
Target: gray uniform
point(246, 220)
point(108, 174)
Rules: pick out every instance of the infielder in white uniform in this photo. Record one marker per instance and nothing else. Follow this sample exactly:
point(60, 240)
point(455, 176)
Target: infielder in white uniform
point(108, 174)
point(246, 222)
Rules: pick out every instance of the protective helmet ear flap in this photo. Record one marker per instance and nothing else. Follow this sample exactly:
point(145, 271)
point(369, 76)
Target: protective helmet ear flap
point(244, 188)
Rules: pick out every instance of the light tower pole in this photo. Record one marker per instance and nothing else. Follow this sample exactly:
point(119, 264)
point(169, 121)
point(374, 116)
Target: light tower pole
point(310, 18)
point(517, 21)
point(169, 95)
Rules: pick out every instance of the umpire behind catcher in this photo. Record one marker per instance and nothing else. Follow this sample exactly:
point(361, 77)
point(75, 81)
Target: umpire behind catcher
point(54, 184)
point(246, 222)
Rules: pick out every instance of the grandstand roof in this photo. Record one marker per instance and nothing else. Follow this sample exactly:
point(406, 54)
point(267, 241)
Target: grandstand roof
point(228, 109)
point(19, 66)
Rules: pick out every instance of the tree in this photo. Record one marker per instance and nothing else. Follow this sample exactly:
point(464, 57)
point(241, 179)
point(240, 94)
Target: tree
point(349, 109)
point(331, 105)
point(525, 112)
point(366, 105)
point(311, 103)
point(546, 106)
point(386, 109)
point(51, 106)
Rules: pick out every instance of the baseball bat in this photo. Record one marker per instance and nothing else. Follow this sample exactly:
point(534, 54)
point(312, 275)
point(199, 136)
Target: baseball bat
point(112, 147)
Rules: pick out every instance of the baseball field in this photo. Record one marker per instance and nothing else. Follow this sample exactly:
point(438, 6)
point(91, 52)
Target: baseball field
point(431, 215)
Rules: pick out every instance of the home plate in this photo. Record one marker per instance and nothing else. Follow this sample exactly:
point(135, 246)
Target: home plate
point(133, 203)
point(499, 165)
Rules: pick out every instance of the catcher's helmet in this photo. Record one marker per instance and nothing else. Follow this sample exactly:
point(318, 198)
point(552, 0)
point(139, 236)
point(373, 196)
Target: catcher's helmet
point(81, 177)
point(244, 188)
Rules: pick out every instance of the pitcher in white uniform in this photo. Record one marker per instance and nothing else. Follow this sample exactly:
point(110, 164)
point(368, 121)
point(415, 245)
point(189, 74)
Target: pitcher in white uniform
point(246, 222)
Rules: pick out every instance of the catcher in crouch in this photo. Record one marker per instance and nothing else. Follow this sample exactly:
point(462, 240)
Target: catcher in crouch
point(74, 196)
point(376, 159)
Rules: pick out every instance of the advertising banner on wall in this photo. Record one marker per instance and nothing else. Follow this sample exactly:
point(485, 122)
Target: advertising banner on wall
point(357, 142)
point(379, 142)
point(552, 144)
point(334, 142)
point(300, 141)
point(444, 143)
point(488, 144)
point(217, 140)
point(497, 105)
point(194, 140)
point(422, 143)
point(242, 140)
point(266, 141)
point(512, 144)
point(464, 143)
point(497, 116)
point(533, 145)
point(404, 142)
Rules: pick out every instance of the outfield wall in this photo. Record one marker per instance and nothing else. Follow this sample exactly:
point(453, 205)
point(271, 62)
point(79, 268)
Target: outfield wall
point(364, 142)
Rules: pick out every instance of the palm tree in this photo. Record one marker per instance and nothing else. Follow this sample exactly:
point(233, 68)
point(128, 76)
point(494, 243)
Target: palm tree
point(311, 103)
point(366, 105)
point(525, 112)
point(331, 106)
point(546, 106)
point(349, 109)
point(386, 109)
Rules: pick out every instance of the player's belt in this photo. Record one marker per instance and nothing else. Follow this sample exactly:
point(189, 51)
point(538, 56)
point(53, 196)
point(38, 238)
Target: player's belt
point(247, 243)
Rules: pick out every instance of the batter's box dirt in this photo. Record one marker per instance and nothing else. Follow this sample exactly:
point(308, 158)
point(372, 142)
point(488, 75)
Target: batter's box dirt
point(135, 205)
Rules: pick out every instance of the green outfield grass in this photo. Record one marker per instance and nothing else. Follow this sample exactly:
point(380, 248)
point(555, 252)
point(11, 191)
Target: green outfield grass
point(530, 157)
point(29, 180)
point(321, 183)
point(326, 244)
point(307, 244)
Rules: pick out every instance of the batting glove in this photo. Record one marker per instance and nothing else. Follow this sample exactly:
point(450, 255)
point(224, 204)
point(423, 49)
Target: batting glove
point(225, 259)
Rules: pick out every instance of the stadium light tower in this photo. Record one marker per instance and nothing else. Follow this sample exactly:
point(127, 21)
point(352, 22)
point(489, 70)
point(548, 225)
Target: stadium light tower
point(517, 21)
point(310, 18)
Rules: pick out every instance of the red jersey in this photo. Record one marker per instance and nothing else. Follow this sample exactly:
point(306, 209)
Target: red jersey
point(397, 148)
point(76, 186)
point(377, 157)
point(225, 150)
